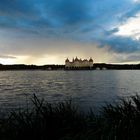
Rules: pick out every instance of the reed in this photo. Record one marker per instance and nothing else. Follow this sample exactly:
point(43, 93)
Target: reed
point(64, 121)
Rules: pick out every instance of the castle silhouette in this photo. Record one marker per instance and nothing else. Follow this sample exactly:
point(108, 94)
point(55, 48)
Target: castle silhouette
point(78, 63)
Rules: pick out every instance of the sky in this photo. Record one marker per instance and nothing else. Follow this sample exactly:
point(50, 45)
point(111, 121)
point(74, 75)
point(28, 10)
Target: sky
point(48, 31)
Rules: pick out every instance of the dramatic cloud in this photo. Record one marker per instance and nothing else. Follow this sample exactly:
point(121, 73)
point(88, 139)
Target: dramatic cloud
point(131, 28)
point(28, 28)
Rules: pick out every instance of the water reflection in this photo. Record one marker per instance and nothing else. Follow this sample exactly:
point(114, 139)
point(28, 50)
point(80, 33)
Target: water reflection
point(87, 88)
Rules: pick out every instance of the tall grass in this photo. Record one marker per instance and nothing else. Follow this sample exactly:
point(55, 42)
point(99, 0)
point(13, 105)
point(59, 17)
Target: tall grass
point(64, 121)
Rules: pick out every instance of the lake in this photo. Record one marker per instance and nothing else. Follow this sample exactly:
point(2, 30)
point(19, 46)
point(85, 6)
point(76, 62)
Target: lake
point(86, 88)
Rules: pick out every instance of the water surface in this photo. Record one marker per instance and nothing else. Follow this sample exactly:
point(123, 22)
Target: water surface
point(87, 88)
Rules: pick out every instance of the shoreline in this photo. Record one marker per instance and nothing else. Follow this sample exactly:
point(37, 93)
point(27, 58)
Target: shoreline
point(96, 66)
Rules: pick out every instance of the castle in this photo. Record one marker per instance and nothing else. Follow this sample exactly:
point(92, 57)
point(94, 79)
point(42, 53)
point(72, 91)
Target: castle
point(78, 63)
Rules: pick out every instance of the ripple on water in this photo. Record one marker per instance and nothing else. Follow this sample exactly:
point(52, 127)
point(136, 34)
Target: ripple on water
point(87, 88)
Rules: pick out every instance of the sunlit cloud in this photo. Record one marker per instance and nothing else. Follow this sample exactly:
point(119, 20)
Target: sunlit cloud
point(131, 28)
point(57, 55)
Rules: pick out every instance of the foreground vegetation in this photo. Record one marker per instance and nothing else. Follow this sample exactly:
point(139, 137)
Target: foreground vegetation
point(63, 121)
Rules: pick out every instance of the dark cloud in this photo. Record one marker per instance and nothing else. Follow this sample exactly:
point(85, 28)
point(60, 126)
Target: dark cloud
point(110, 32)
point(125, 58)
point(131, 12)
point(82, 20)
point(60, 13)
point(121, 44)
point(69, 11)
point(18, 8)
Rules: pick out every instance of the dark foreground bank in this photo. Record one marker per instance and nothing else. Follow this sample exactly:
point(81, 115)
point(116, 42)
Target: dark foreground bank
point(63, 121)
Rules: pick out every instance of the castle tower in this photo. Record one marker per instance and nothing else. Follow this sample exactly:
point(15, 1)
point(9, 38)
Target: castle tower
point(79, 63)
point(67, 63)
point(91, 62)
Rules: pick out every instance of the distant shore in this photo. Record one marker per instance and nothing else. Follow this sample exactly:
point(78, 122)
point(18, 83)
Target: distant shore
point(96, 66)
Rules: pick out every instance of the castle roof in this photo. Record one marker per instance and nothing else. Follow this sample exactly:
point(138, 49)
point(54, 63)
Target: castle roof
point(90, 60)
point(76, 59)
point(85, 60)
point(79, 60)
point(67, 60)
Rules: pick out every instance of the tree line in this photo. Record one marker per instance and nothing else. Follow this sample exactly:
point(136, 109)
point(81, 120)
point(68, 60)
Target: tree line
point(101, 66)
